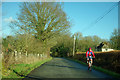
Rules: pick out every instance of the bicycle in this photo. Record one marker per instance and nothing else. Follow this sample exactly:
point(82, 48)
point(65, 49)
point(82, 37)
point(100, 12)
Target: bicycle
point(90, 61)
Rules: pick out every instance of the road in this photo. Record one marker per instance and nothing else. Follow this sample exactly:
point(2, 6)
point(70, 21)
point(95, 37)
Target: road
point(63, 68)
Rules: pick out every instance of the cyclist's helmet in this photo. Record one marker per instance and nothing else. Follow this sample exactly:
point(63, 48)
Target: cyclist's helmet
point(89, 48)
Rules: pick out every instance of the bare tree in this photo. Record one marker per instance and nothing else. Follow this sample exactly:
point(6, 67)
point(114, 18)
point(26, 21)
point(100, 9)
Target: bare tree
point(43, 19)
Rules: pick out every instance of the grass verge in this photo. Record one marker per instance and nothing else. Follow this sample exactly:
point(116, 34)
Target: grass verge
point(22, 70)
point(113, 74)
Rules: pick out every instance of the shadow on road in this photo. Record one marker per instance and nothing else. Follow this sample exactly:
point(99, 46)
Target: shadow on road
point(62, 66)
point(32, 78)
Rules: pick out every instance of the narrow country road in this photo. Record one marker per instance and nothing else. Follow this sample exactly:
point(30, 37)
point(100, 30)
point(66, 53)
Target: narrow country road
point(63, 68)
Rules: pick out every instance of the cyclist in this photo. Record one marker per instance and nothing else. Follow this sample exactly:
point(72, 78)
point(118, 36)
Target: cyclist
point(89, 55)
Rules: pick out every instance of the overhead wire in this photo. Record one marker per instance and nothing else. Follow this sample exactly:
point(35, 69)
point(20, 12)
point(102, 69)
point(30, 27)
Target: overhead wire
point(100, 18)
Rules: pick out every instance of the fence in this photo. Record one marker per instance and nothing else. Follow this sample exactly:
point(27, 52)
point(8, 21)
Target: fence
point(19, 57)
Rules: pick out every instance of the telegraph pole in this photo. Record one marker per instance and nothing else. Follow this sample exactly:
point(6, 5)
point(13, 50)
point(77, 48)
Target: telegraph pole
point(74, 45)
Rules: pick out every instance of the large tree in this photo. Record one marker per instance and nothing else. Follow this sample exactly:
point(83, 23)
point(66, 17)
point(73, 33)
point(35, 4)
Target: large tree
point(43, 19)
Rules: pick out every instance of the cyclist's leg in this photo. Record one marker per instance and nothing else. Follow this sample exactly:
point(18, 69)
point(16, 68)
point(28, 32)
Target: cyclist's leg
point(88, 62)
point(91, 61)
point(88, 65)
point(91, 64)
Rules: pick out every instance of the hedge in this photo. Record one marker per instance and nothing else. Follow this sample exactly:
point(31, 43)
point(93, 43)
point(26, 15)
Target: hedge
point(106, 60)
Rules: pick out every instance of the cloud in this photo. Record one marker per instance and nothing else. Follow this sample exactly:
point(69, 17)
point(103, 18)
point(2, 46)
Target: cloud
point(10, 19)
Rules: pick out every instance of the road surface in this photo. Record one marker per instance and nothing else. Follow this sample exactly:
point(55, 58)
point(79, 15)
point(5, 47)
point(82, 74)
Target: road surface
point(63, 68)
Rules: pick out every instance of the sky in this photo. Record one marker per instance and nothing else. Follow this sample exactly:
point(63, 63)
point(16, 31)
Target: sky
point(82, 15)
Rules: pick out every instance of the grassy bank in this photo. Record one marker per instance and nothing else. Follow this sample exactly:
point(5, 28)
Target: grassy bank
point(113, 74)
point(22, 70)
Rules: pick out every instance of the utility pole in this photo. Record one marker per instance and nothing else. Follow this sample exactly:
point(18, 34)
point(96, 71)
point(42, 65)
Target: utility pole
point(74, 46)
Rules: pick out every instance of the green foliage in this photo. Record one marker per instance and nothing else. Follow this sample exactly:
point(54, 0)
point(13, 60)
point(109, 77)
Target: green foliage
point(65, 45)
point(115, 40)
point(83, 43)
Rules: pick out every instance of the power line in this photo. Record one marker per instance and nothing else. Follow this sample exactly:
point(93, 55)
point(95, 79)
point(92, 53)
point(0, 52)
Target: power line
point(101, 17)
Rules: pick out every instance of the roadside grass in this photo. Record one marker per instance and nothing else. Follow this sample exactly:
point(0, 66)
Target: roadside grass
point(113, 74)
point(0, 68)
point(22, 70)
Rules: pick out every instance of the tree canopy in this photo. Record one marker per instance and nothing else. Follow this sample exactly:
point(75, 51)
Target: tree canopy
point(44, 20)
